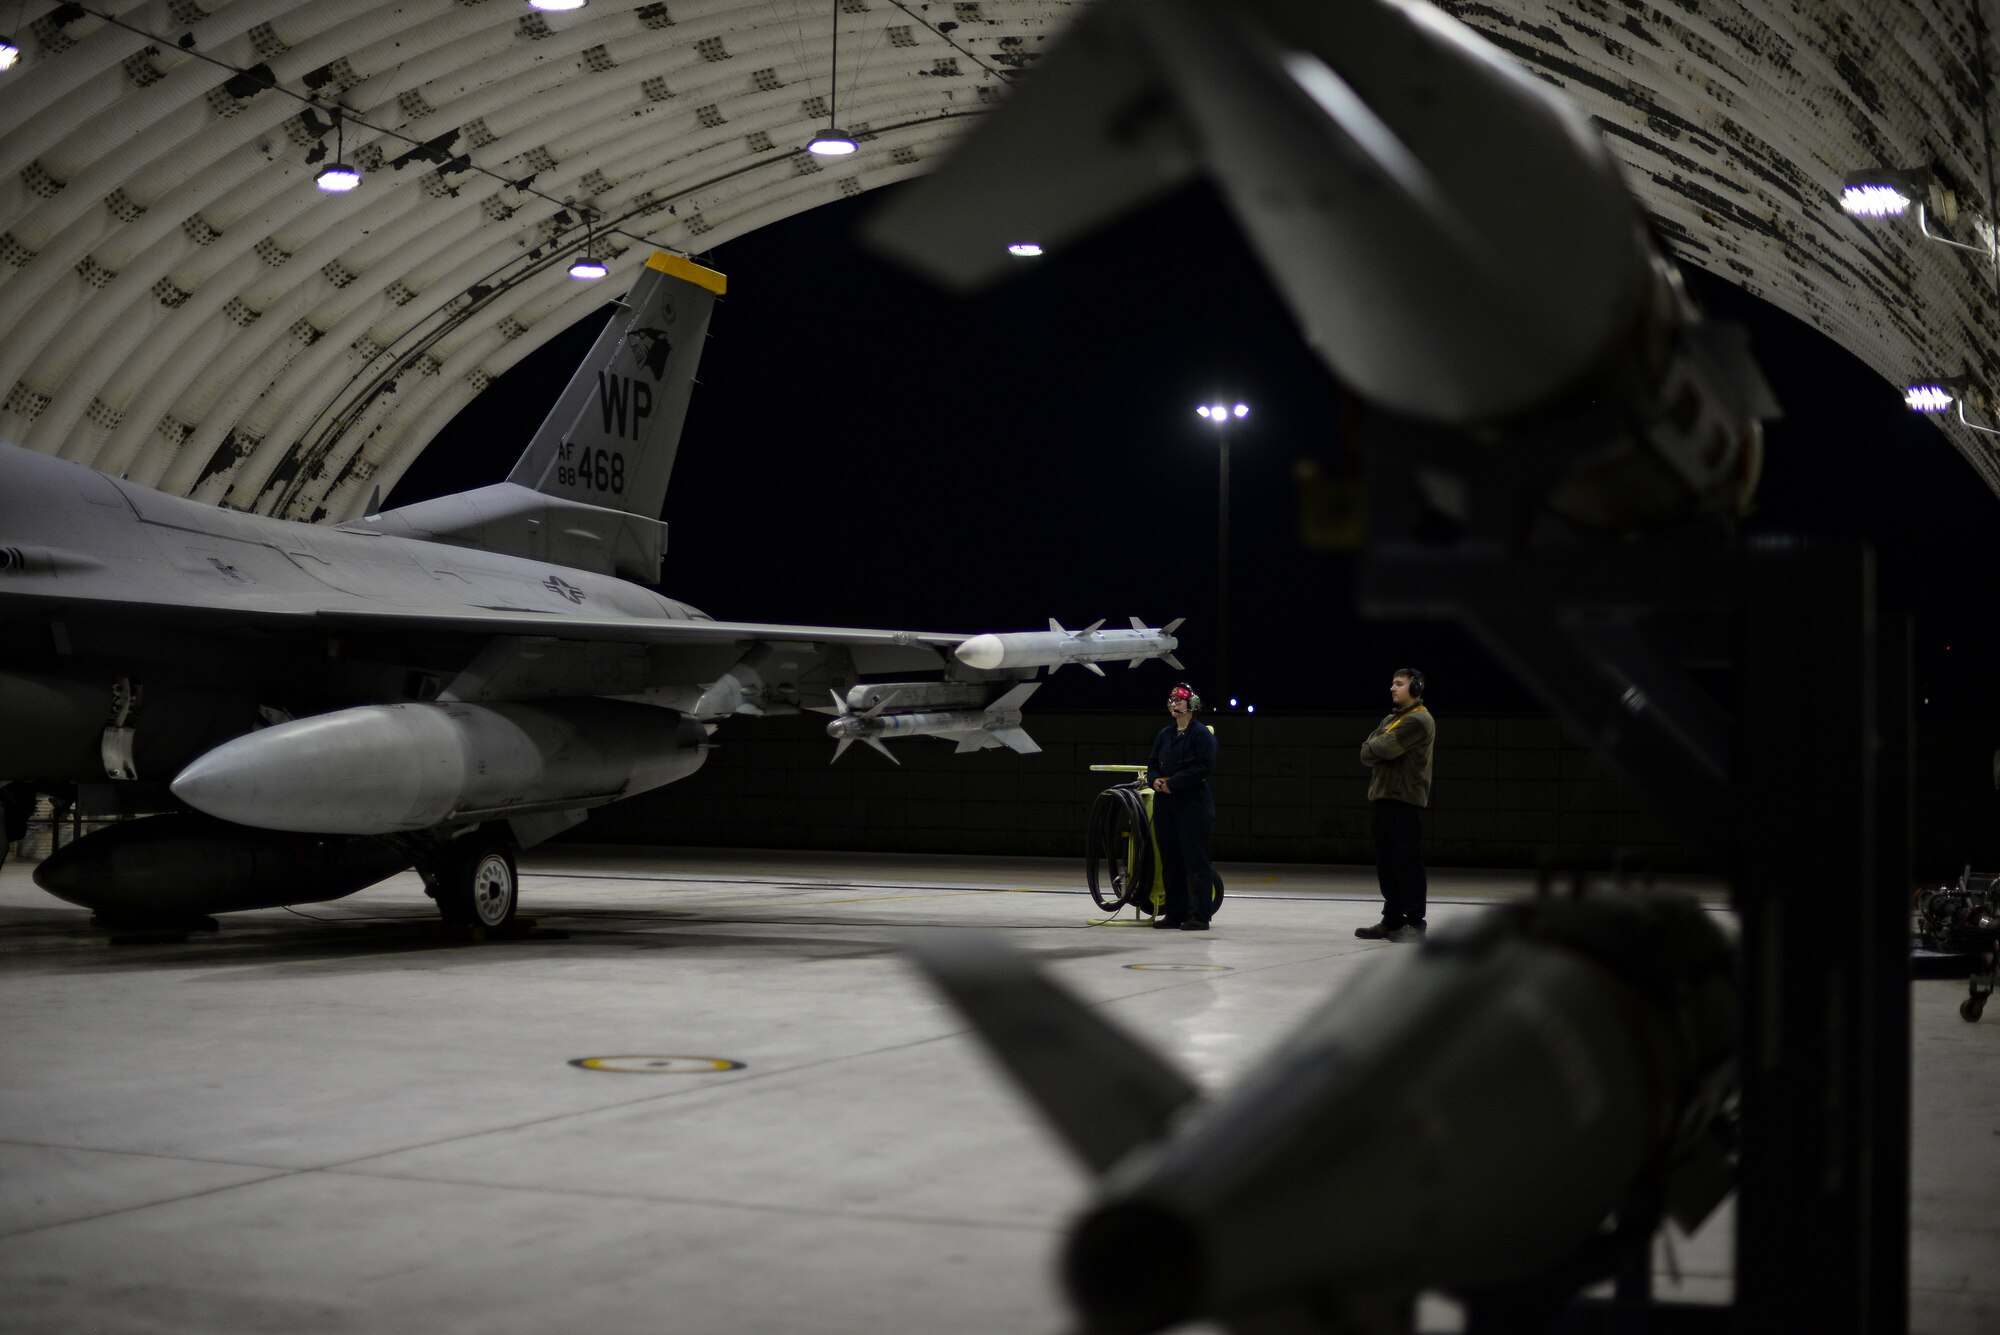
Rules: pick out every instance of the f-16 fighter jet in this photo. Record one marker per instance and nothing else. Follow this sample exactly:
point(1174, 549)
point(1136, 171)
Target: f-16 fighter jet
point(316, 708)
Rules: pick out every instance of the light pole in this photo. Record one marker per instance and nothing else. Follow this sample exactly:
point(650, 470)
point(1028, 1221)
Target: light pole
point(1220, 415)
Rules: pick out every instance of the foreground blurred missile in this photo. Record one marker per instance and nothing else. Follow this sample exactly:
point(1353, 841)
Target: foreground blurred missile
point(998, 724)
point(186, 865)
point(1055, 647)
point(387, 769)
point(1452, 235)
point(1462, 1115)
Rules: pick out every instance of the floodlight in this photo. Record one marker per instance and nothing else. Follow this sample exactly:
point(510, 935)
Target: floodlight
point(1935, 395)
point(1883, 192)
point(1024, 248)
point(1928, 398)
point(1203, 410)
point(9, 53)
point(557, 6)
point(1242, 410)
point(588, 269)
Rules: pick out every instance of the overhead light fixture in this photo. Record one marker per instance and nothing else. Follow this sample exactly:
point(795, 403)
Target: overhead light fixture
point(337, 178)
point(1024, 249)
point(1242, 410)
point(1933, 397)
point(9, 53)
point(832, 142)
point(557, 6)
point(587, 267)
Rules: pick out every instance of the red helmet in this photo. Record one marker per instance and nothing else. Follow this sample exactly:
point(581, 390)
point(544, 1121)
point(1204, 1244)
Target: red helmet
point(1183, 691)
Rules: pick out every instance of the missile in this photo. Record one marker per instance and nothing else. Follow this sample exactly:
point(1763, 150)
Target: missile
point(1454, 237)
point(1055, 647)
point(869, 696)
point(999, 724)
point(180, 866)
point(1463, 1116)
point(389, 769)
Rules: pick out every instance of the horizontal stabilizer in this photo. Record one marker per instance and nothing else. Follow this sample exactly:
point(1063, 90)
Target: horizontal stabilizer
point(1102, 1090)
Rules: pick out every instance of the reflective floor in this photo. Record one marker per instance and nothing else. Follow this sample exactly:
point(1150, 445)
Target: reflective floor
point(705, 1095)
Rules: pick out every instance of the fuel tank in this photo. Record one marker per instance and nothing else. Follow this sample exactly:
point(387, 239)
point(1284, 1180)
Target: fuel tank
point(388, 769)
point(187, 864)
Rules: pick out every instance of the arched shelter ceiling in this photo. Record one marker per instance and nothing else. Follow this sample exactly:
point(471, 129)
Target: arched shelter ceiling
point(180, 304)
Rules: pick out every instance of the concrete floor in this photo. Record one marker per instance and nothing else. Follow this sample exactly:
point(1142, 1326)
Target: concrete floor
point(336, 1120)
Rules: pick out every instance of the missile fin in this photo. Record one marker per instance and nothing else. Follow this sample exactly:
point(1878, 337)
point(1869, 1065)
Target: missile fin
point(1138, 624)
point(839, 748)
point(1094, 668)
point(1171, 662)
point(1015, 698)
point(840, 705)
point(1016, 739)
point(881, 704)
point(876, 742)
point(1102, 1089)
point(1172, 626)
point(978, 741)
point(1092, 628)
point(1057, 626)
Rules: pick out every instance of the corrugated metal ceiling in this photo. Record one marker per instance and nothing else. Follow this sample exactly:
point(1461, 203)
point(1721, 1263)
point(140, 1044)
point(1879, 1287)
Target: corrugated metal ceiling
point(179, 303)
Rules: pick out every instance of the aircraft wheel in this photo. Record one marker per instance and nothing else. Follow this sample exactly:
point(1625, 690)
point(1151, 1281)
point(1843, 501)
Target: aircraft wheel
point(1969, 1010)
point(484, 888)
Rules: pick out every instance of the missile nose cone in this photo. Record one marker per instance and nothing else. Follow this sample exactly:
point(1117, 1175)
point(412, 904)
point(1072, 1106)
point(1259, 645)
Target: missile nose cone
point(1110, 1283)
point(982, 651)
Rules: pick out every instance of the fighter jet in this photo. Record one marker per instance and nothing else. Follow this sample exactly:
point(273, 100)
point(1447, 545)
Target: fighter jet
point(314, 708)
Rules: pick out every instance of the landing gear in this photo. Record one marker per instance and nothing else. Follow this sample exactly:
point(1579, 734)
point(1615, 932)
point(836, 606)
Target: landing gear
point(475, 880)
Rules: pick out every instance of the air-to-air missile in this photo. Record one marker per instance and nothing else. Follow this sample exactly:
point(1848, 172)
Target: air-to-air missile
point(1056, 647)
point(1464, 1115)
point(185, 866)
point(390, 769)
point(998, 724)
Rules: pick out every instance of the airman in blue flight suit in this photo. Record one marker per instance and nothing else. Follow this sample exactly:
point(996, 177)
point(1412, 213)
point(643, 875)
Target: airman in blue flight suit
point(1184, 811)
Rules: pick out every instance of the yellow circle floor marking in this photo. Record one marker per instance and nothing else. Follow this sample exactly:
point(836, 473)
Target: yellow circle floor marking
point(657, 1065)
point(1181, 968)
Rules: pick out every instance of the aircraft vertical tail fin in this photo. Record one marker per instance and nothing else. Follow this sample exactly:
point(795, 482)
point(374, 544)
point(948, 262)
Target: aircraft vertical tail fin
point(1103, 1090)
point(610, 440)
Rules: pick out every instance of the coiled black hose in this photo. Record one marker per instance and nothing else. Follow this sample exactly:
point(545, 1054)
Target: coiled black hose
point(1128, 879)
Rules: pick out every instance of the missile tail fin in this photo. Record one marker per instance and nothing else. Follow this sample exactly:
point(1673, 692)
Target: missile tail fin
point(1138, 624)
point(1057, 626)
point(877, 743)
point(1016, 739)
point(1171, 662)
point(1093, 627)
point(839, 749)
point(977, 741)
point(1094, 668)
point(1015, 698)
point(1173, 625)
point(1103, 1090)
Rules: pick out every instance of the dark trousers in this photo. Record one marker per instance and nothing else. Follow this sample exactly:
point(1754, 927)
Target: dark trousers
point(1399, 860)
point(1183, 826)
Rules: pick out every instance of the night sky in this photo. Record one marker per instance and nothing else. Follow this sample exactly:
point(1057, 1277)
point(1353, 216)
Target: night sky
point(863, 450)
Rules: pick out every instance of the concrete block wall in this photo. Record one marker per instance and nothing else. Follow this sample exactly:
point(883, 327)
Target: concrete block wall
point(1510, 792)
